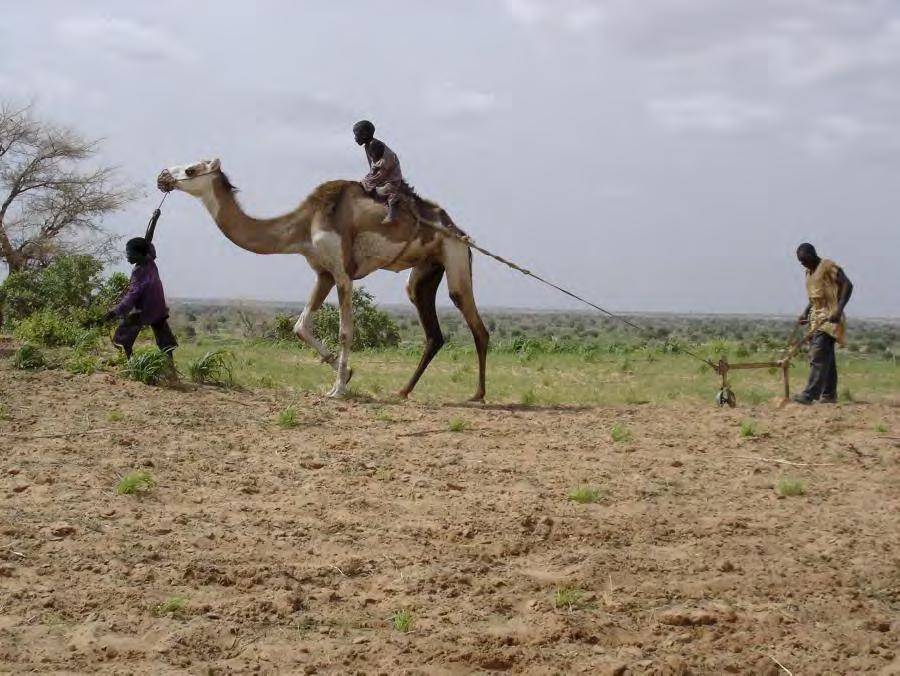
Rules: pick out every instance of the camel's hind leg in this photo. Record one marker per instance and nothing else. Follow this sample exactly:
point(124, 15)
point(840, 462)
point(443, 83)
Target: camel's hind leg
point(459, 279)
point(304, 328)
point(422, 289)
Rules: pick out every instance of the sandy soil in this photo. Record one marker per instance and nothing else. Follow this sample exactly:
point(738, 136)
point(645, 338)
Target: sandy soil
point(294, 548)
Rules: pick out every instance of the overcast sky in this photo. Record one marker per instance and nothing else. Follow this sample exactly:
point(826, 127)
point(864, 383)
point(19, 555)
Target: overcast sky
point(658, 155)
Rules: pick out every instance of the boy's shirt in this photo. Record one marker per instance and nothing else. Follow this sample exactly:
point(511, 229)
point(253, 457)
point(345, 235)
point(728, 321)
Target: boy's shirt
point(145, 294)
point(383, 171)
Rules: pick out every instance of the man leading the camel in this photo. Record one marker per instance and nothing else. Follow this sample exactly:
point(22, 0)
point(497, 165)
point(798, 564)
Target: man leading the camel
point(384, 177)
point(829, 291)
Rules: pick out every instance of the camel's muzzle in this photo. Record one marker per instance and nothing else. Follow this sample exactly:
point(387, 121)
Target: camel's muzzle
point(165, 181)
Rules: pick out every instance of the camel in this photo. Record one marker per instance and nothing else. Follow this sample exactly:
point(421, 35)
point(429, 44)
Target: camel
point(338, 229)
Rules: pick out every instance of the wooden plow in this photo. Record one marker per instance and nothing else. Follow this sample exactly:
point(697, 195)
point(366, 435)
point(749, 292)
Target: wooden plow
point(725, 396)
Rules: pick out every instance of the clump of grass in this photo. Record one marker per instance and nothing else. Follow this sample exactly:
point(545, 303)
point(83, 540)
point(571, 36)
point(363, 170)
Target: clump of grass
point(458, 425)
point(83, 364)
point(620, 433)
point(116, 416)
point(177, 605)
point(383, 416)
point(528, 398)
point(5, 413)
point(213, 368)
point(632, 398)
point(847, 395)
point(790, 488)
point(585, 495)
point(266, 382)
point(403, 620)
point(568, 597)
point(287, 419)
point(28, 357)
point(135, 482)
point(150, 367)
point(748, 429)
point(881, 428)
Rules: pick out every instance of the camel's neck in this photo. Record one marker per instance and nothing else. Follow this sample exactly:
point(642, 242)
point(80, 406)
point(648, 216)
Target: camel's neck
point(283, 234)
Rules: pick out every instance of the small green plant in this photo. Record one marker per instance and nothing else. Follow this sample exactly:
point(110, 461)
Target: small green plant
point(790, 487)
point(135, 482)
point(84, 364)
point(213, 368)
point(5, 412)
point(847, 395)
point(287, 419)
point(881, 428)
point(176, 606)
point(620, 433)
point(748, 429)
point(529, 397)
point(383, 416)
point(458, 425)
point(150, 367)
point(29, 357)
point(116, 416)
point(403, 620)
point(585, 495)
point(568, 597)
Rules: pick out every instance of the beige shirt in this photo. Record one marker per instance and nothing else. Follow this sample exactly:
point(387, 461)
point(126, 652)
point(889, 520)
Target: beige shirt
point(824, 293)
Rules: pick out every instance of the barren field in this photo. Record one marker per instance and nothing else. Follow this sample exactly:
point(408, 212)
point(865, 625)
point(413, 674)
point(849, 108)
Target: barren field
point(385, 538)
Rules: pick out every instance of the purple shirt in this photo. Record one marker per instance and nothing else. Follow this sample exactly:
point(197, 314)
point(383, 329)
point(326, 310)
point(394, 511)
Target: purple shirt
point(145, 294)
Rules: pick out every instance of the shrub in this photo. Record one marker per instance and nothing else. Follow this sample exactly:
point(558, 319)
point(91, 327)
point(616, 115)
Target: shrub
point(49, 328)
point(283, 328)
point(28, 357)
point(372, 328)
point(135, 482)
point(70, 287)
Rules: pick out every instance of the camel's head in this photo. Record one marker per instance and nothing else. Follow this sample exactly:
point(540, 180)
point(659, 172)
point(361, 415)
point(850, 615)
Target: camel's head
point(195, 179)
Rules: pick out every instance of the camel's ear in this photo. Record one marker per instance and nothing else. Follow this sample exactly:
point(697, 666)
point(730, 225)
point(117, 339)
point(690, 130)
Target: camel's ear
point(215, 165)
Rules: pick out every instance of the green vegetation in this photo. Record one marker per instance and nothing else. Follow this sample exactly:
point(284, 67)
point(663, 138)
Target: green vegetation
point(620, 434)
point(65, 295)
point(116, 416)
point(748, 429)
point(585, 495)
point(568, 597)
point(84, 364)
point(29, 357)
point(135, 482)
point(213, 368)
point(403, 620)
point(458, 425)
point(790, 488)
point(287, 419)
point(175, 606)
point(881, 428)
point(149, 366)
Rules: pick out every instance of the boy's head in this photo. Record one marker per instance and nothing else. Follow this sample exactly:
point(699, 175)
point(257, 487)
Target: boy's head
point(138, 250)
point(363, 132)
point(376, 150)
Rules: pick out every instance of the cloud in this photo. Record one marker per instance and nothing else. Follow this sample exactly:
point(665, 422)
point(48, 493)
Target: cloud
point(571, 16)
point(447, 100)
point(833, 137)
point(124, 37)
point(711, 113)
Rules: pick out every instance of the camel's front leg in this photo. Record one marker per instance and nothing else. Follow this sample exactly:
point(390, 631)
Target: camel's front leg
point(304, 326)
point(345, 296)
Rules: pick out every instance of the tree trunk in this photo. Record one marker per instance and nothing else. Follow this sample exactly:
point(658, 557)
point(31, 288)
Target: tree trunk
point(13, 259)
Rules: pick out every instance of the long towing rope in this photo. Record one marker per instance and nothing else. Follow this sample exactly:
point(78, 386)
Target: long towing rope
point(528, 273)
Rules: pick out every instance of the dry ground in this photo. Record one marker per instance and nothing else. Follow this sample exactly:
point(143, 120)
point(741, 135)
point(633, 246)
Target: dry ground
point(292, 549)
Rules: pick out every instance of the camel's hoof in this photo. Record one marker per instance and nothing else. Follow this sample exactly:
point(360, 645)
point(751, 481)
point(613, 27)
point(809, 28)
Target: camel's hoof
point(477, 399)
point(402, 394)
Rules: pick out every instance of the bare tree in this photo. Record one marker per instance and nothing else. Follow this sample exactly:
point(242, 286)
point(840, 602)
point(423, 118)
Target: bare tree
point(53, 196)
